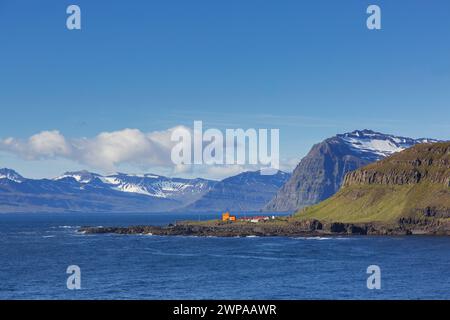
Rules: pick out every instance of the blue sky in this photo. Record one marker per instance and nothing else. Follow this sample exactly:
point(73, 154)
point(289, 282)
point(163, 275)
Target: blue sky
point(310, 68)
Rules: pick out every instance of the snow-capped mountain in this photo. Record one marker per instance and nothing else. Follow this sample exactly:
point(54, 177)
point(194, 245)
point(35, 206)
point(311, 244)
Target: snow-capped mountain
point(11, 175)
point(162, 187)
point(378, 145)
point(84, 191)
point(83, 176)
point(146, 184)
point(320, 173)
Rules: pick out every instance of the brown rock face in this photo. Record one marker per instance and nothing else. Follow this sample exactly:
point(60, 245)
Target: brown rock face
point(422, 163)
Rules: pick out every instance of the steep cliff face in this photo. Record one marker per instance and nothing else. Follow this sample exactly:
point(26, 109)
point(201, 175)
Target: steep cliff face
point(409, 186)
point(320, 174)
point(423, 163)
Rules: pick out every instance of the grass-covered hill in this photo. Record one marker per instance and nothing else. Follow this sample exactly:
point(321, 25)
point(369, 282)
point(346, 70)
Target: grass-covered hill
point(410, 185)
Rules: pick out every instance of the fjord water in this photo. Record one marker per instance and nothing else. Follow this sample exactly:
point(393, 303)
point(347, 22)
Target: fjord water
point(36, 249)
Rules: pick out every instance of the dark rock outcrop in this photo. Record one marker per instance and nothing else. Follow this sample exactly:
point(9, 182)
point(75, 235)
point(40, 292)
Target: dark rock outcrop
point(424, 163)
point(286, 227)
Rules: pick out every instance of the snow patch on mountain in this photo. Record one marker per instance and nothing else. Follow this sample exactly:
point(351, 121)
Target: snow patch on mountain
point(379, 144)
point(80, 176)
point(147, 184)
point(11, 175)
point(134, 189)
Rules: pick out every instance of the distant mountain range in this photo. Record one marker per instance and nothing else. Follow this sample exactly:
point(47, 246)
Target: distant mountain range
point(84, 191)
point(182, 190)
point(320, 174)
point(248, 191)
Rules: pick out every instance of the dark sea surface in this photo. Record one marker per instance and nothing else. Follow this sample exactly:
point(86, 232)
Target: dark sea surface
point(36, 249)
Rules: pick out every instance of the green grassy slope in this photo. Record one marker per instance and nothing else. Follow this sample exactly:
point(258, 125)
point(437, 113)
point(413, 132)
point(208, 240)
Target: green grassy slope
point(376, 194)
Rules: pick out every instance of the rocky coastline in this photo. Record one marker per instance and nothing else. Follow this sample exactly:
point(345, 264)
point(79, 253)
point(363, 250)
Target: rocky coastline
point(287, 227)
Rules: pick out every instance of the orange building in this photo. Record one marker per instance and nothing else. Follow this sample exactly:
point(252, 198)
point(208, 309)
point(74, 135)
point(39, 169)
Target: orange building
point(227, 217)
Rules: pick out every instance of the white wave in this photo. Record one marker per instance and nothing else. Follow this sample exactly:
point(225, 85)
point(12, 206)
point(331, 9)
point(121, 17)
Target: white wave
point(321, 238)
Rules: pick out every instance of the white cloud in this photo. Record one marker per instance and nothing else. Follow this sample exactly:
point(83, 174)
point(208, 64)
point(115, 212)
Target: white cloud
point(46, 144)
point(105, 151)
point(127, 148)
point(109, 149)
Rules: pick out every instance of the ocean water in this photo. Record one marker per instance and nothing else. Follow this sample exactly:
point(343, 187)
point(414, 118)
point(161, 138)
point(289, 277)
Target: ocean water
point(36, 249)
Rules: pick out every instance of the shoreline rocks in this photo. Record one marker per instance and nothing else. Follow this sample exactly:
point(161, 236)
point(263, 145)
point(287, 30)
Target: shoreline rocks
point(281, 228)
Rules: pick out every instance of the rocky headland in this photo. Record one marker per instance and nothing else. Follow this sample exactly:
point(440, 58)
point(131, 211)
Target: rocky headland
point(405, 194)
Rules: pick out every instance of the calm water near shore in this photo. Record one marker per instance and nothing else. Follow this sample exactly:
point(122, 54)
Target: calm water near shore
point(35, 250)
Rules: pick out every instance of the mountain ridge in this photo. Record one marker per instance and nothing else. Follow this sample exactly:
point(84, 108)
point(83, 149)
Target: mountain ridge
point(247, 191)
point(88, 191)
point(413, 185)
point(320, 174)
point(76, 191)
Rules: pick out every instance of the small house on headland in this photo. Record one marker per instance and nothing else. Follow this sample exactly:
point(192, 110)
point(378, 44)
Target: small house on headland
point(226, 216)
